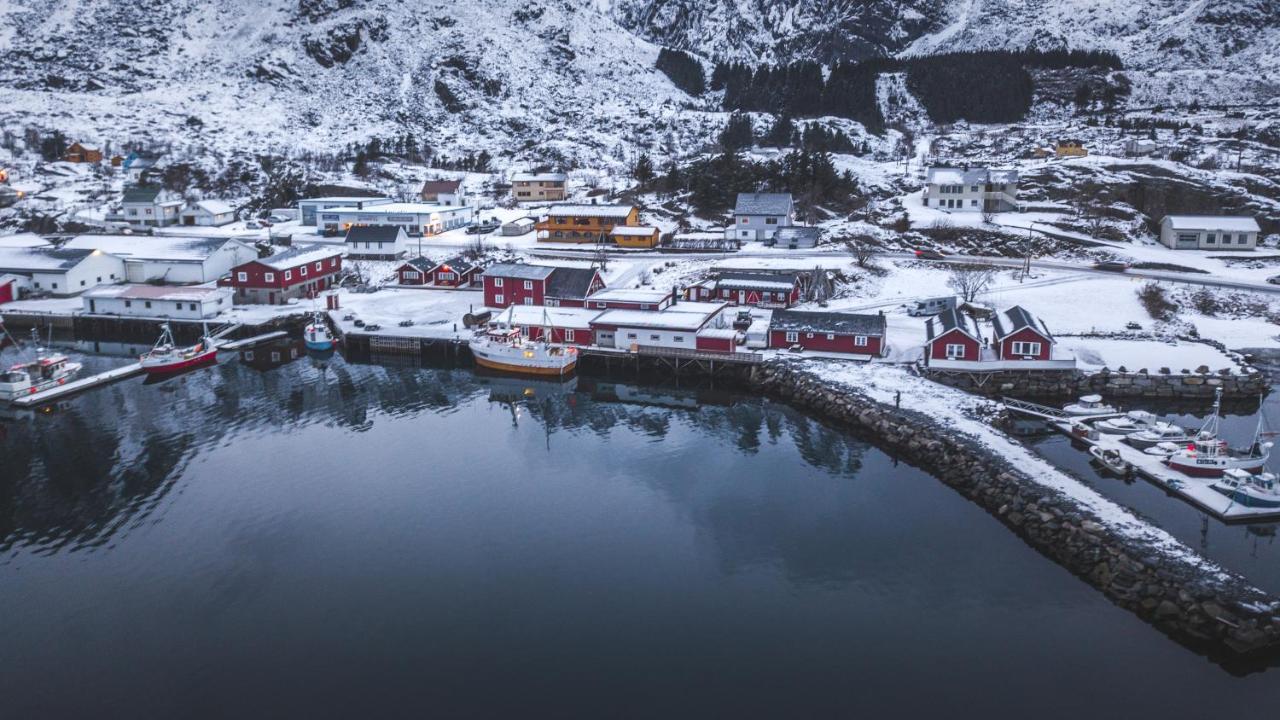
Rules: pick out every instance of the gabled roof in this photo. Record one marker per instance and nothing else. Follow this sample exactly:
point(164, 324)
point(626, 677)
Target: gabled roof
point(761, 279)
point(606, 211)
point(162, 248)
point(1233, 223)
point(195, 293)
point(763, 204)
point(36, 259)
point(634, 230)
point(214, 207)
point(567, 282)
point(970, 176)
point(300, 255)
point(458, 264)
point(539, 177)
point(435, 187)
point(1017, 318)
point(424, 264)
point(827, 322)
point(142, 194)
point(948, 320)
point(374, 233)
point(522, 271)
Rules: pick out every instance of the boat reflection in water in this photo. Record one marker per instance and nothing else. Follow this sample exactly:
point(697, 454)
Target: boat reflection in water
point(275, 354)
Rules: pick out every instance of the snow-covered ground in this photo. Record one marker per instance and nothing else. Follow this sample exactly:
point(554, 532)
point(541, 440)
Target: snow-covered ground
point(1136, 354)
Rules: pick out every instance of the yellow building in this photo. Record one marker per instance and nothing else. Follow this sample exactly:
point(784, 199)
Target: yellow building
point(1069, 148)
point(635, 236)
point(584, 223)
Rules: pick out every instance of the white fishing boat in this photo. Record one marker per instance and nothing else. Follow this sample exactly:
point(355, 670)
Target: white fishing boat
point(1127, 424)
point(1248, 489)
point(505, 348)
point(1110, 459)
point(316, 334)
point(1210, 456)
point(45, 371)
point(1089, 405)
point(1159, 433)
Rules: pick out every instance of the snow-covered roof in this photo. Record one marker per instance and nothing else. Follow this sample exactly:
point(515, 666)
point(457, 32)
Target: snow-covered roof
point(534, 315)
point(1231, 223)
point(827, 322)
point(422, 263)
point(458, 264)
point(634, 230)
point(971, 176)
point(346, 198)
point(37, 259)
point(23, 240)
point(156, 292)
point(1016, 318)
point(143, 194)
point(681, 316)
point(214, 207)
point(719, 333)
point(522, 222)
point(763, 204)
point(606, 211)
point(522, 271)
point(374, 233)
point(162, 248)
point(757, 280)
point(539, 177)
point(300, 255)
point(401, 208)
point(948, 320)
point(636, 295)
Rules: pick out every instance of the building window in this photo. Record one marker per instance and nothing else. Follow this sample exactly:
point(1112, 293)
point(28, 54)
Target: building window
point(528, 301)
point(528, 284)
point(1212, 239)
point(793, 337)
point(655, 338)
point(288, 275)
point(1026, 348)
point(568, 335)
point(771, 221)
point(304, 271)
point(1188, 237)
point(269, 277)
point(320, 265)
point(499, 299)
point(497, 282)
point(831, 336)
point(678, 338)
point(147, 304)
point(858, 340)
point(808, 336)
point(552, 302)
point(127, 303)
point(242, 277)
point(410, 274)
point(955, 352)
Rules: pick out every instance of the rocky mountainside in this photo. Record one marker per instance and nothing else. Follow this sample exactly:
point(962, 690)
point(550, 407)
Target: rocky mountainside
point(538, 79)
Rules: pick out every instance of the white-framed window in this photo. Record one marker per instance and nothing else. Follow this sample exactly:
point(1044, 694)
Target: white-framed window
point(499, 299)
point(497, 282)
point(793, 336)
point(568, 335)
point(269, 277)
point(528, 284)
point(655, 338)
point(808, 336)
point(320, 265)
point(859, 340)
point(242, 277)
point(955, 351)
point(444, 276)
point(552, 302)
point(528, 301)
point(631, 336)
point(304, 270)
point(288, 275)
point(1212, 239)
point(333, 262)
point(410, 274)
point(831, 336)
point(1026, 348)
point(678, 338)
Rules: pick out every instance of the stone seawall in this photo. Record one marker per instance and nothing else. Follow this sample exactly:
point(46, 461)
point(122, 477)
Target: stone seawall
point(1219, 614)
point(1248, 383)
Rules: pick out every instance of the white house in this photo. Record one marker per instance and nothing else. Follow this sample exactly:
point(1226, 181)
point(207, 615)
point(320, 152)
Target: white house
point(176, 260)
point(309, 209)
point(147, 206)
point(138, 163)
point(443, 192)
point(63, 272)
point(415, 218)
point(758, 216)
point(376, 242)
point(211, 213)
point(151, 301)
point(1209, 232)
point(675, 327)
point(971, 189)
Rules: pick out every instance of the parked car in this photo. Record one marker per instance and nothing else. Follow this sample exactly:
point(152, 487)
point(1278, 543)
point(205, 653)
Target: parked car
point(252, 225)
point(931, 306)
point(925, 254)
point(1274, 279)
point(372, 327)
point(482, 228)
point(359, 322)
point(277, 218)
point(1111, 265)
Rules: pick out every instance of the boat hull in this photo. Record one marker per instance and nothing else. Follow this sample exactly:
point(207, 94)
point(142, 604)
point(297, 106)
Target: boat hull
point(208, 357)
point(519, 369)
point(1246, 499)
point(1253, 465)
point(321, 345)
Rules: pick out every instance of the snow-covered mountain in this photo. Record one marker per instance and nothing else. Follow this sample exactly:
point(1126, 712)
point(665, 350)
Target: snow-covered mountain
point(537, 79)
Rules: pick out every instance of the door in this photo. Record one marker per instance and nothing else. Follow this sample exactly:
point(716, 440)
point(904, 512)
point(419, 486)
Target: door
point(604, 338)
point(135, 271)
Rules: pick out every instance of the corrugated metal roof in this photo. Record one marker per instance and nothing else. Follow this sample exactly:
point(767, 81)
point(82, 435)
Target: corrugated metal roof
point(763, 204)
point(300, 255)
point(827, 322)
point(374, 233)
point(539, 177)
point(607, 211)
point(29, 259)
point(1231, 223)
point(1014, 319)
point(522, 271)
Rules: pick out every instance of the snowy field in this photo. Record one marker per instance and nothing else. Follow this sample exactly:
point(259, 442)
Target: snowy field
point(1133, 355)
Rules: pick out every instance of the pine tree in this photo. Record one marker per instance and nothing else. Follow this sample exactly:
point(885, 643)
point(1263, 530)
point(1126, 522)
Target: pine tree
point(643, 170)
point(737, 134)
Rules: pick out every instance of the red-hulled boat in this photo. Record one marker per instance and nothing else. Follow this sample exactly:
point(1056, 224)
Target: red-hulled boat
point(166, 357)
point(1210, 456)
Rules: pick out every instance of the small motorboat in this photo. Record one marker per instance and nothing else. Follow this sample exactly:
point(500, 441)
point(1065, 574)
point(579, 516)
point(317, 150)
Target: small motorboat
point(1127, 424)
point(1248, 489)
point(1109, 459)
point(1089, 405)
point(1161, 450)
point(1161, 432)
point(44, 371)
point(316, 334)
point(165, 357)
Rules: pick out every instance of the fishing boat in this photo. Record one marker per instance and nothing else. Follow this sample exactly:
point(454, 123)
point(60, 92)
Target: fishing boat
point(166, 357)
point(43, 372)
point(1089, 405)
point(1210, 456)
point(1109, 459)
point(317, 335)
point(1247, 489)
point(504, 348)
point(1127, 424)
point(1159, 433)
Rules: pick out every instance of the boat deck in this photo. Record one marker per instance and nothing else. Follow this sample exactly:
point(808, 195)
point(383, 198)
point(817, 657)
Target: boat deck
point(1190, 489)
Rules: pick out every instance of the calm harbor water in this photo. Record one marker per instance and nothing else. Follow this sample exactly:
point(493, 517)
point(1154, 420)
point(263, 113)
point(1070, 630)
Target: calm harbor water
point(316, 538)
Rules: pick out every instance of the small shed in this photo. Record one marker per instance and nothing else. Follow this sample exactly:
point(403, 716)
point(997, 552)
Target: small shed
point(847, 333)
point(415, 271)
point(456, 272)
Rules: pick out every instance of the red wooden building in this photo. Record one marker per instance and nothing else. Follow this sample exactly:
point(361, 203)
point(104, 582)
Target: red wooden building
point(8, 288)
point(568, 326)
point(299, 272)
point(509, 284)
point(761, 288)
point(415, 271)
point(952, 335)
point(456, 272)
point(828, 332)
point(718, 339)
point(631, 299)
point(1019, 335)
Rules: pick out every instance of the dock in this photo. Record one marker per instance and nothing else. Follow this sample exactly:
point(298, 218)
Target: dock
point(124, 373)
point(1195, 491)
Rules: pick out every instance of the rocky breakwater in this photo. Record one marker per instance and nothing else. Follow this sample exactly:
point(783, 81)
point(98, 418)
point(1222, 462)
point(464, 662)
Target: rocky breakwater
point(1184, 595)
point(1245, 382)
